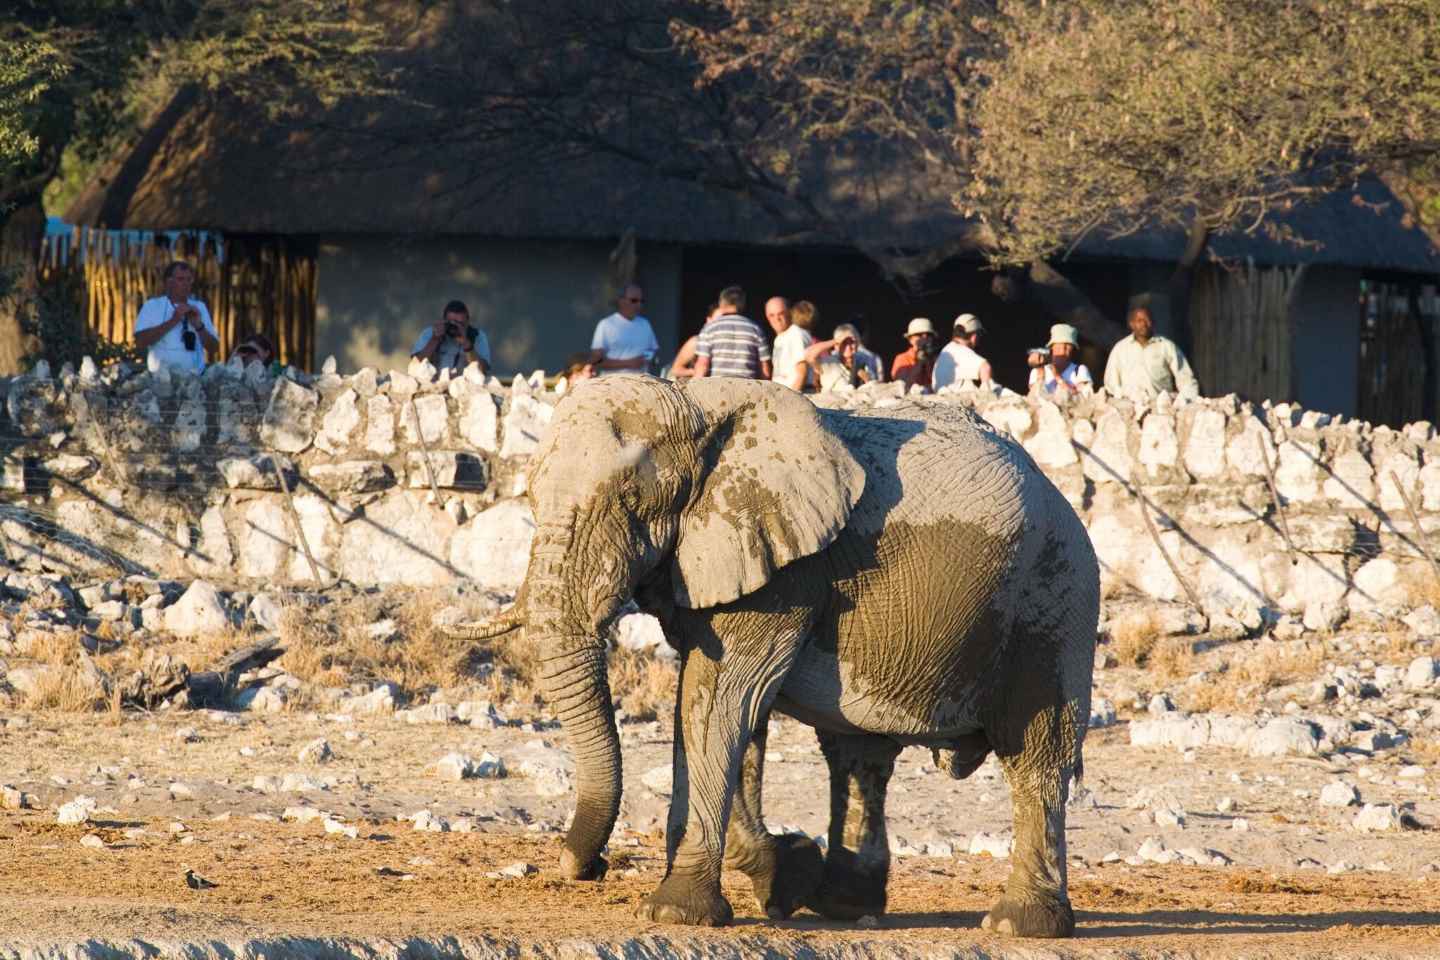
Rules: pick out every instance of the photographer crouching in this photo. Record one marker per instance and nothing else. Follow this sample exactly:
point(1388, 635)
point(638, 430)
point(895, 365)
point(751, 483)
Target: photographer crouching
point(176, 327)
point(453, 341)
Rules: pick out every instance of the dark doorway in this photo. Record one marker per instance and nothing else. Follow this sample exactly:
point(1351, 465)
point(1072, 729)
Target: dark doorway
point(844, 284)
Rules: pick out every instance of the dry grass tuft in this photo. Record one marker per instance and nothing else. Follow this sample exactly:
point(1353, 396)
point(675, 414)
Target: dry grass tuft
point(1249, 676)
point(1172, 658)
point(66, 689)
point(1421, 586)
point(333, 647)
point(644, 684)
point(1133, 636)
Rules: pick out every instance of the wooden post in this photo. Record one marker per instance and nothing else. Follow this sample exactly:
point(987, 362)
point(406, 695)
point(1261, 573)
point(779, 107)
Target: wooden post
point(1275, 497)
point(1420, 538)
point(425, 452)
point(295, 519)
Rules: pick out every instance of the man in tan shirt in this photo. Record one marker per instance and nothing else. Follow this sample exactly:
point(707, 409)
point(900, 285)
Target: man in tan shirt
point(1143, 364)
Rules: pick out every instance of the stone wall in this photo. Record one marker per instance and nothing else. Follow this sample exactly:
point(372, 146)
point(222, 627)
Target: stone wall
point(173, 476)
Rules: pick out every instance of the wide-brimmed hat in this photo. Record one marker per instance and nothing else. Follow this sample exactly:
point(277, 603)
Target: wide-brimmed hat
point(969, 323)
point(1064, 333)
point(920, 325)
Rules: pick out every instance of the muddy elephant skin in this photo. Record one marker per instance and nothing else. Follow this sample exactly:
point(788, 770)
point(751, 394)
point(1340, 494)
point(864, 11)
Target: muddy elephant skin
point(902, 577)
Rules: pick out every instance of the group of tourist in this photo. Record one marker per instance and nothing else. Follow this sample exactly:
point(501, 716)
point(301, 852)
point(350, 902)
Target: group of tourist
point(730, 344)
point(176, 327)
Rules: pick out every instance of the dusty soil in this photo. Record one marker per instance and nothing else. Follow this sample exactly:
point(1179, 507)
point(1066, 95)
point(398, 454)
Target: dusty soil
point(284, 879)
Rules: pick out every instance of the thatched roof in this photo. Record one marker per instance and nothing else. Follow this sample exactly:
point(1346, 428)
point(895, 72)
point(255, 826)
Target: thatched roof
point(203, 167)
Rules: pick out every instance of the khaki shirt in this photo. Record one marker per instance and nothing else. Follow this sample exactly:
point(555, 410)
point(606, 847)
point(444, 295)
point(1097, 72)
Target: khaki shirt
point(1157, 367)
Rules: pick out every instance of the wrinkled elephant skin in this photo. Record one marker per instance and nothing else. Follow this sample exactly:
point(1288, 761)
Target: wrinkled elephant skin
point(902, 577)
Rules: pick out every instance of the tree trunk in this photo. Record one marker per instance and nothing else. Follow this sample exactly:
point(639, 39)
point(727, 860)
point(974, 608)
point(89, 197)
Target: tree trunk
point(1182, 281)
point(21, 232)
point(1068, 304)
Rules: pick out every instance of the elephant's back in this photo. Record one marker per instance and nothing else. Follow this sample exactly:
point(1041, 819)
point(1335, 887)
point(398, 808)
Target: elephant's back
point(938, 466)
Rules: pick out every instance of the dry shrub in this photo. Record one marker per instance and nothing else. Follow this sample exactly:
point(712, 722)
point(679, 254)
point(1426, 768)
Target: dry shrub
point(1172, 658)
point(330, 645)
point(642, 682)
point(1133, 637)
point(516, 677)
point(65, 689)
point(1248, 676)
point(1421, 585)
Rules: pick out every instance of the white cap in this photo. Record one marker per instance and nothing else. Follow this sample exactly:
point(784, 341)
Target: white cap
point(920, 325)
point(969, 323)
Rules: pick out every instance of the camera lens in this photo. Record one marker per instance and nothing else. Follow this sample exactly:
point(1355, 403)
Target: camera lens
point(188, 338)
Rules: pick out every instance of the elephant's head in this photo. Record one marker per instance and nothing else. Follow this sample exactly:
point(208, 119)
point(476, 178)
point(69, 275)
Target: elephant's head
point(701, 492)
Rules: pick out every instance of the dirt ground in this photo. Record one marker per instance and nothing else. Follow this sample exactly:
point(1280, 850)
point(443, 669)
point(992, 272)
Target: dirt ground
point(179, 791)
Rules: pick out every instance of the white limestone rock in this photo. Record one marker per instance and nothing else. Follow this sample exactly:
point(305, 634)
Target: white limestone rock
point(1205, 445)
point(1374, 818)
point(479, 419)
point(1338, 793)
point(380, 425)
point(339, 423)
point(1420, 674)
point(1285, 737)
point(995, 845)
point(289, 423)
point(526, 423)
point(434, 420)
point(493, 548)
point(198, 612)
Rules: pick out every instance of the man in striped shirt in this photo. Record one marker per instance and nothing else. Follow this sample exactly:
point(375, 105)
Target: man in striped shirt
point(732, 345)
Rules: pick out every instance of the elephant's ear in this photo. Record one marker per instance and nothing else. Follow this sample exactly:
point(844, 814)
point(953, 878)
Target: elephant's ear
point(775, 485)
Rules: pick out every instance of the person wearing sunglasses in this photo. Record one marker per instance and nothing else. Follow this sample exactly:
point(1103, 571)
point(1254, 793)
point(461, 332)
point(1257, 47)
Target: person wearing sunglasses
point(624, 341)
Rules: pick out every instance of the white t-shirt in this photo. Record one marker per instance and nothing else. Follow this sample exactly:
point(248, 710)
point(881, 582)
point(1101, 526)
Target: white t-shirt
point(450, 353)
point(789, 352)
point(623, 339)
point(171, 347)
point(957, 363)
point(1076, 374)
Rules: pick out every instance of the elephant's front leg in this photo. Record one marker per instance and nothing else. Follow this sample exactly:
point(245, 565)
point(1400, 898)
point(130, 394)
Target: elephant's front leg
point(857, 865)
point(720, 704)
point(784, 871)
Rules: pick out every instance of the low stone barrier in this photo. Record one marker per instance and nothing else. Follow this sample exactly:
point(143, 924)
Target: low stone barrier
point(402, 477)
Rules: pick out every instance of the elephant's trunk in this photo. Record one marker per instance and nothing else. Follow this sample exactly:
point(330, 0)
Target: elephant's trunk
point(575, 684)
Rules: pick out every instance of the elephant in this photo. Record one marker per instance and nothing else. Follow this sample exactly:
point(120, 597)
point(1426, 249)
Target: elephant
point(905, 576)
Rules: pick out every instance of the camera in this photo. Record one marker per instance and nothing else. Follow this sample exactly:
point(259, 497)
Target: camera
point(925, 350)
point(1042, 352)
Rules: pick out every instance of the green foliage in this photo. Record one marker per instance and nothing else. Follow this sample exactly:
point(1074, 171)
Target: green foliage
point(1046, 121)
point(27, 70)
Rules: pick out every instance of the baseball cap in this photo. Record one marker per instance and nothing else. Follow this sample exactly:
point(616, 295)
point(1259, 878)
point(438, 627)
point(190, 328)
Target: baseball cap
point(969, 323)
point(920, 325)
point(846, 332)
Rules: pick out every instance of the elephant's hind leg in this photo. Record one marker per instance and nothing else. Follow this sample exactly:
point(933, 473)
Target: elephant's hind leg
point(720, 704)
point(857, 864)
point(785, 870)
point(1036, 902)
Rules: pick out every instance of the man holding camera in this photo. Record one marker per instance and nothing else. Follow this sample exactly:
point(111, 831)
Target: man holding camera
point(175, 326)
point(453, 342)
point(916, 364)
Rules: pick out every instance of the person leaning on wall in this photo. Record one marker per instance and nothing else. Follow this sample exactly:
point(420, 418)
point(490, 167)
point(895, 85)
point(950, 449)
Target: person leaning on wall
point(175, 327)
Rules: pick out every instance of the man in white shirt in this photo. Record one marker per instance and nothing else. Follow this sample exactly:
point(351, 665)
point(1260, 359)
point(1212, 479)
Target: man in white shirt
point(624, 340)
point(959, 362)
point(791, 338)
point(1143, 364)
point(452, 342)
point(175, 326)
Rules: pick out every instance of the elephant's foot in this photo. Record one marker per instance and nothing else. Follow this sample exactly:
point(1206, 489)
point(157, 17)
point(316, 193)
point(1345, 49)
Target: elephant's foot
point(787, 876)
point(680, 899)
point(1031, 918)
point(851, 888)
point(572, 869)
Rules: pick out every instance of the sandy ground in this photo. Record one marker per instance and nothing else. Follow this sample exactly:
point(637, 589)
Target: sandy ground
point(177, 791)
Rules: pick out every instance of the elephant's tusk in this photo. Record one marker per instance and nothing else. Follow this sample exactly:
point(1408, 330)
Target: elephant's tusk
point(482, 629)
